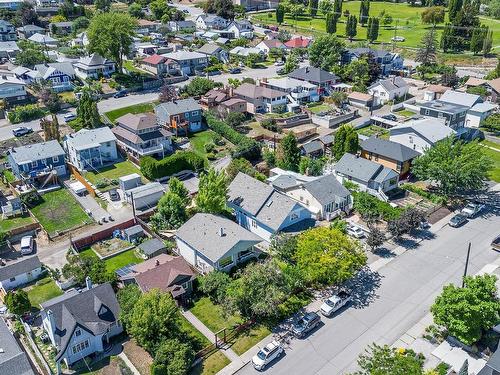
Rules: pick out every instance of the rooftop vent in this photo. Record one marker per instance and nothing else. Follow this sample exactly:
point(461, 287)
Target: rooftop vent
point(221, 232)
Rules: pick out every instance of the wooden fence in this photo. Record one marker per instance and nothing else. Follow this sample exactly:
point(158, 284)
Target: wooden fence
point(75, 172)
point(88, 240)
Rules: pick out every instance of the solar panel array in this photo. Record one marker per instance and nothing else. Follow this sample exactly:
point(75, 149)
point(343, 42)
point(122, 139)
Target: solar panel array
point(125, 270)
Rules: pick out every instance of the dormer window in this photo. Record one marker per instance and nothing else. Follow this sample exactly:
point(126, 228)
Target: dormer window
point(78, 332)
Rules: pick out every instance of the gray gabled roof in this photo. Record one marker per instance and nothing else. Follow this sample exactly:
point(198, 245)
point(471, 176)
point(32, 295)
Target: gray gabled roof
point(326, 188)
point(209, 48)
point(461, 98)
point(90, 138)
point(92, 309)
point(312, 74)
point(36, 151)
point(392, 150)
point(177, 107)
point(30, 28)
point(390, 84)
point(203, 233)
point(13, 360)
point(151, 246)
point(362, 169)
point(47, 69)
point(18, 268)
point(431, 129)
point(312, 147)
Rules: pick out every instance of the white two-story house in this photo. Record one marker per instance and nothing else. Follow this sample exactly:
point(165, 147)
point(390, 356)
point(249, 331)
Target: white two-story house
point(299, 92)
point(260, 99)
point(19, 273)
point(94, 66)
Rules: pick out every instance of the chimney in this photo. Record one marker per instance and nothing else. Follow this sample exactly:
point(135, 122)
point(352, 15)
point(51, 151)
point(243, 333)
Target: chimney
point(231, 91)
point(307, 69)
point(52, 322)
point(221, 232)
point(157, 262)
point(88, 282)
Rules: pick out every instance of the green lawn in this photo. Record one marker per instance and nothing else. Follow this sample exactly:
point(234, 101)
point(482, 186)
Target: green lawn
point(200, 139)
point(405, 113)
point(320, 108)
point(374, 129)
point(113, 172)
point(211, 315)
point(116, 262)
point(59, 211)
point(15, 222)
point(491, 144)
point(135, 109)
point(9, 176)
point(199, 340)
point(210, 365)
point(42, 291)
point(495, 156)
point(409, 23)
point(129, 65)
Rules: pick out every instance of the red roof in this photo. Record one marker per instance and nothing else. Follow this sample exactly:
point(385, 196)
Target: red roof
point(154, 59)
point(298, 42)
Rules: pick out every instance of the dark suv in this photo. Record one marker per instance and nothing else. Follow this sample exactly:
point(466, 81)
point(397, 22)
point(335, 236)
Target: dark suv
point(306, 324)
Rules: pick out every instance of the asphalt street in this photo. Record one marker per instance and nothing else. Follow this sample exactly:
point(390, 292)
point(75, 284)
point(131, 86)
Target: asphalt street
point(389, 302)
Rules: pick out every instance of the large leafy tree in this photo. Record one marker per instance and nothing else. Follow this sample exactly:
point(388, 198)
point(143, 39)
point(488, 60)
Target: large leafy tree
point(283, 247)
point(30, 54)
point(127, 298)
point(325, 52)
point(243, 165)
point(17, 302)
point(477, 39)
point(214, 284)
point(351, 27)
point(171, 212)
point(372, 30)
point(87, 112)
point(331, 23)
point(326, 6)
point(173, 357)
point(280, 14)
point(384, 360)
point(223, 8)
point(346, 140)
point(327, 256)
point(288, 153)
point(454, 7)
point(78, 268)
point(313, 7)
point(111, 35)
point(467, 312)
point(153, 320)
point(212, 193)
point(176, 187)
point(433, 15)
point(454, 166)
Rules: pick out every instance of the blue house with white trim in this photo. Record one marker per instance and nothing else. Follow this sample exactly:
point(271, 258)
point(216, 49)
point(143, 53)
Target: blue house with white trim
point(263, 210)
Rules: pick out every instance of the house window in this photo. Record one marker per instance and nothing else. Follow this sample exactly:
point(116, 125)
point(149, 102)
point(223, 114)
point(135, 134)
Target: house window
point(411, 139)
point(80, 346)
point(194, 113)
point(426, 112)
point(55, 159)
point(78, 332)
point(34, 164)
point(253, 223)
point(186, 115)
point(12, 279)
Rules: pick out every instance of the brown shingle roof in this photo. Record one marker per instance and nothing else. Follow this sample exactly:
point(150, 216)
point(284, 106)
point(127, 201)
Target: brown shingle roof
point(137, 122)
point(440, 89)
point(359, 96)
point(495, 84)
point(253, 91)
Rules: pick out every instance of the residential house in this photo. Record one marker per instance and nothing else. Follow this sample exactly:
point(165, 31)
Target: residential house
point(184, 114)
point(152, 248)
point(213, 98)
point(461, 98)
point(370, 176)
point(26, 31)
point(260, 99)
point(9, 50)
point(360, 100)
point(299, 92)
point(45, 41)
point(37, 159)
point(302, 132)
point(241, 29)
point(164, 272)
point(257, 4)
point(267, 44)
point(211, 242)
point(20, 273)
point(214, 50)
point(94, 66)
point(244, 52)
point(313, 149)
point(478, 113)
point(389, 154)
point(493, 87)
point(452, 114)
point(12, 89)
point(160, 65)
point(58, 74)
point(316, 76)
point(324, 196)
point(387, 61)
point(188, 61)
point(263, 210)
point(298, 42)
point(91, 149)
point(13, 359)
point(474, 82)
point(48, 3)
point(81, 323)
point(181, 26)
point(7, 31)
point(433, 92)
point(146, 27)
point(81, 40)
point(420, 135)
point(492, 367)
point(232, 105)
point(385, 90)
point(141, 135)
point(210, 21)
point(61, 28)
point(10, 4)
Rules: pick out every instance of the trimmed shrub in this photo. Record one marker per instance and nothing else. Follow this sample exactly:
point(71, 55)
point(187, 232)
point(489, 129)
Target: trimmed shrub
point(434, 198)
point(27, 112)
point(181, 160)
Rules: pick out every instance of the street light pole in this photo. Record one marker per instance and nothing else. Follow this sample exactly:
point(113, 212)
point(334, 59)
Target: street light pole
point(466, 265)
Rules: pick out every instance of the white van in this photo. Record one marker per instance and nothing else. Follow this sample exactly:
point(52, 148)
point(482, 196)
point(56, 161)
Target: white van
point(26, 245)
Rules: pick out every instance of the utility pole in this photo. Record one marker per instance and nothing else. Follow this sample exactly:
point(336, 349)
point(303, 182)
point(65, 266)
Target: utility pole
point(133, 206)
point(395, 34)
point(466, 265)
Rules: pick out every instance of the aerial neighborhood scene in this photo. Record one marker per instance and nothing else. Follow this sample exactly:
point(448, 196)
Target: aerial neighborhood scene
point(294, 187)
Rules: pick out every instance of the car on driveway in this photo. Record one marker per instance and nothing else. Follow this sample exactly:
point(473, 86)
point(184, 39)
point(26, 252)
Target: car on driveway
point(27, 245)
point(335, 302)
point(472, 209)
point(235, 70)
point(355, 231)
point(22, 130)
point(113, 195)
point(457, 220)
point(69, 117)
point(279, 63)
point(120, 94)
point(390, 117)
point(306, 324)
point(266, 355)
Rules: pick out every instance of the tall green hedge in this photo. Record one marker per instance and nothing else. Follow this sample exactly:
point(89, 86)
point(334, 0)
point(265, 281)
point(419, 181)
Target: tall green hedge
point(26, 112)
point(181, 160)
point(245, 147)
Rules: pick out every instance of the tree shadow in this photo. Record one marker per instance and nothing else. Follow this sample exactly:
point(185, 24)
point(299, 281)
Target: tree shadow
point(363, 287)
point(384, 252)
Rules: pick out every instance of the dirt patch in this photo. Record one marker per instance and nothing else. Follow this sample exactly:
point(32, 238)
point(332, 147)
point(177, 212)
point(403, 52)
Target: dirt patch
point(19, 141)
point(116, 367)
point(108, 247)
point(138, 356)
point(438, 215)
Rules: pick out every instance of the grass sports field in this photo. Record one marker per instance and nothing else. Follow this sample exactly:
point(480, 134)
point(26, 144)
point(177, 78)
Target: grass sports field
point(406, 18)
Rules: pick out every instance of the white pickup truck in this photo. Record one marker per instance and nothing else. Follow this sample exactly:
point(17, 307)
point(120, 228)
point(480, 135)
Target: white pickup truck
point(472, 209)
point(335, 302)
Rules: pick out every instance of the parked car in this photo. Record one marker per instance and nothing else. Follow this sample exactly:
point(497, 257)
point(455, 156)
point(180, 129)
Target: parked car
point(306, 324)
point(235, 70)
point(390, 117)
point(185, 11)
point(424, 224)
point(281, 71)
point(398, 39)
point(120, 94)
point(22, 130)
point(355, 231)
point(266, 355)
point(335, 302)
point(457, 220)
point(279, 63)
point(472, 209)
point(27, 244)
point(495, 244)
point(69, 117)
point(113, 195)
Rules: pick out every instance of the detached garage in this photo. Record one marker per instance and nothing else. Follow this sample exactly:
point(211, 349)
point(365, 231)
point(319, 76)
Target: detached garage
point(146, 196)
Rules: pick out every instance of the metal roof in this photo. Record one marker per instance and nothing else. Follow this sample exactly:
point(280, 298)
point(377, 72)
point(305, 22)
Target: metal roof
point(389, 149)
point(18, 268)
point(36, 151)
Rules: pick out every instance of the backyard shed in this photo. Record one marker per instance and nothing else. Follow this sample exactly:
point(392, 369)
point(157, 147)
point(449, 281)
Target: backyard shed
point(132, 234)
point(152, 248)
point(78, 187)
point(146, 196)
point(129, 182)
